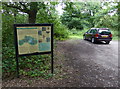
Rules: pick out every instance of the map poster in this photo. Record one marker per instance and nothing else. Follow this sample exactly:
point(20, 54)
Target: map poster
point(33, 38)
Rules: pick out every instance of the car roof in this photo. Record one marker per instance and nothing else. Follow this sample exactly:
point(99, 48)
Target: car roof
point(100, 28)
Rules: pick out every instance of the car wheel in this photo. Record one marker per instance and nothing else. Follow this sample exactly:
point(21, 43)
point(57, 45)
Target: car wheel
point(93, 40)
point(107, 42)
point(84, 37)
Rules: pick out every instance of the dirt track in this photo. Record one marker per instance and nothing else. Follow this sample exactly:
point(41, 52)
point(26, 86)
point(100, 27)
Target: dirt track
point(97, 63)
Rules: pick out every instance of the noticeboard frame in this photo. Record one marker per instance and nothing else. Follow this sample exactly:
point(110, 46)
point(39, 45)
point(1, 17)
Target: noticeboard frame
point(36, 53)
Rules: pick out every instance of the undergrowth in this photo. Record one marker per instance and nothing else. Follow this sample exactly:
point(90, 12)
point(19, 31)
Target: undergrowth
point(31, 66)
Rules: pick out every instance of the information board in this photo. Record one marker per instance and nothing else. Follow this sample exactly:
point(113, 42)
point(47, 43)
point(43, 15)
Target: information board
point(33, 38)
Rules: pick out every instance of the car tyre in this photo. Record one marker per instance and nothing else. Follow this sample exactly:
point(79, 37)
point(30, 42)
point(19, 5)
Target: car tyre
point(84, 37)
point(107, 42)
point(93, 40)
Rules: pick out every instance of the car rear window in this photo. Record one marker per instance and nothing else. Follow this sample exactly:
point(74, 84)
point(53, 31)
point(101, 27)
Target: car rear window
point(104, 31)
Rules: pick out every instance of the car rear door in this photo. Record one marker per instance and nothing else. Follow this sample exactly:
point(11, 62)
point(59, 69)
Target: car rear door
point(87, 34)
point(90, 34)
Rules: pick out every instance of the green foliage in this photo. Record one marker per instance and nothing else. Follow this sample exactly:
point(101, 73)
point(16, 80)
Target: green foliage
point(75, 32)
point(7, 30)
point(104, 17)
point(71, 18)
point(8, 62)
point(32, 66)
point(61, 32)
point(35, 66)
point(80, 15)
point(75, 23)
point(108, 22)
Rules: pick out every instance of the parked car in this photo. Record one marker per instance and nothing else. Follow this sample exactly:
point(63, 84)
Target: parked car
point(98, 34)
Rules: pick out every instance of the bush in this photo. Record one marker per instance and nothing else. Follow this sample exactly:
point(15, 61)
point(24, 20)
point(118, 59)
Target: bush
point(32, 66)
point(78, 32)
point(75, 24)
point(60, 32)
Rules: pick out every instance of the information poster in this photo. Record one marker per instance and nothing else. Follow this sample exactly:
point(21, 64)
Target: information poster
point(33, 39)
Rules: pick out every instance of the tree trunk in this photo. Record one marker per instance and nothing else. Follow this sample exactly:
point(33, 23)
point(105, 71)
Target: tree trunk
point(33, 12)
point(32, 16)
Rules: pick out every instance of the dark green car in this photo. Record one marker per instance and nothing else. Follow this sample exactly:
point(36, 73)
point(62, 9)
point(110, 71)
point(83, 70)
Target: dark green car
point(98, 34)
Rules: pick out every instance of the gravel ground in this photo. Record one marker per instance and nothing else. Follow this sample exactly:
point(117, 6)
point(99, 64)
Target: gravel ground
point(97, 63)
point(78, 63)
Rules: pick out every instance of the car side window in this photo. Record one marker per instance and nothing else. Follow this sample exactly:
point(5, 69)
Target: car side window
point(88, 31)
point(94, 31)
point(91, 31)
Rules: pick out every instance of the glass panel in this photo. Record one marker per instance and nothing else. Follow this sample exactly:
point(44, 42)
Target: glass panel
point(104, 32)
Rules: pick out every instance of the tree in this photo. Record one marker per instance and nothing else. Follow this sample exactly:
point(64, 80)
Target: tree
point(30, 8)
point(71, 16)
point(107, 17)
point(80, 14)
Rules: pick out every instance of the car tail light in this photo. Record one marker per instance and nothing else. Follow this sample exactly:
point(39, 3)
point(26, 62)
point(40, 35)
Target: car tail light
point(96, 35)
point(110, 35)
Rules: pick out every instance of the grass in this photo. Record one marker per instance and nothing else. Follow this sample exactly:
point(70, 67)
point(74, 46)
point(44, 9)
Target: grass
point(115, 38)
point(75, 37)
point(78, 35)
